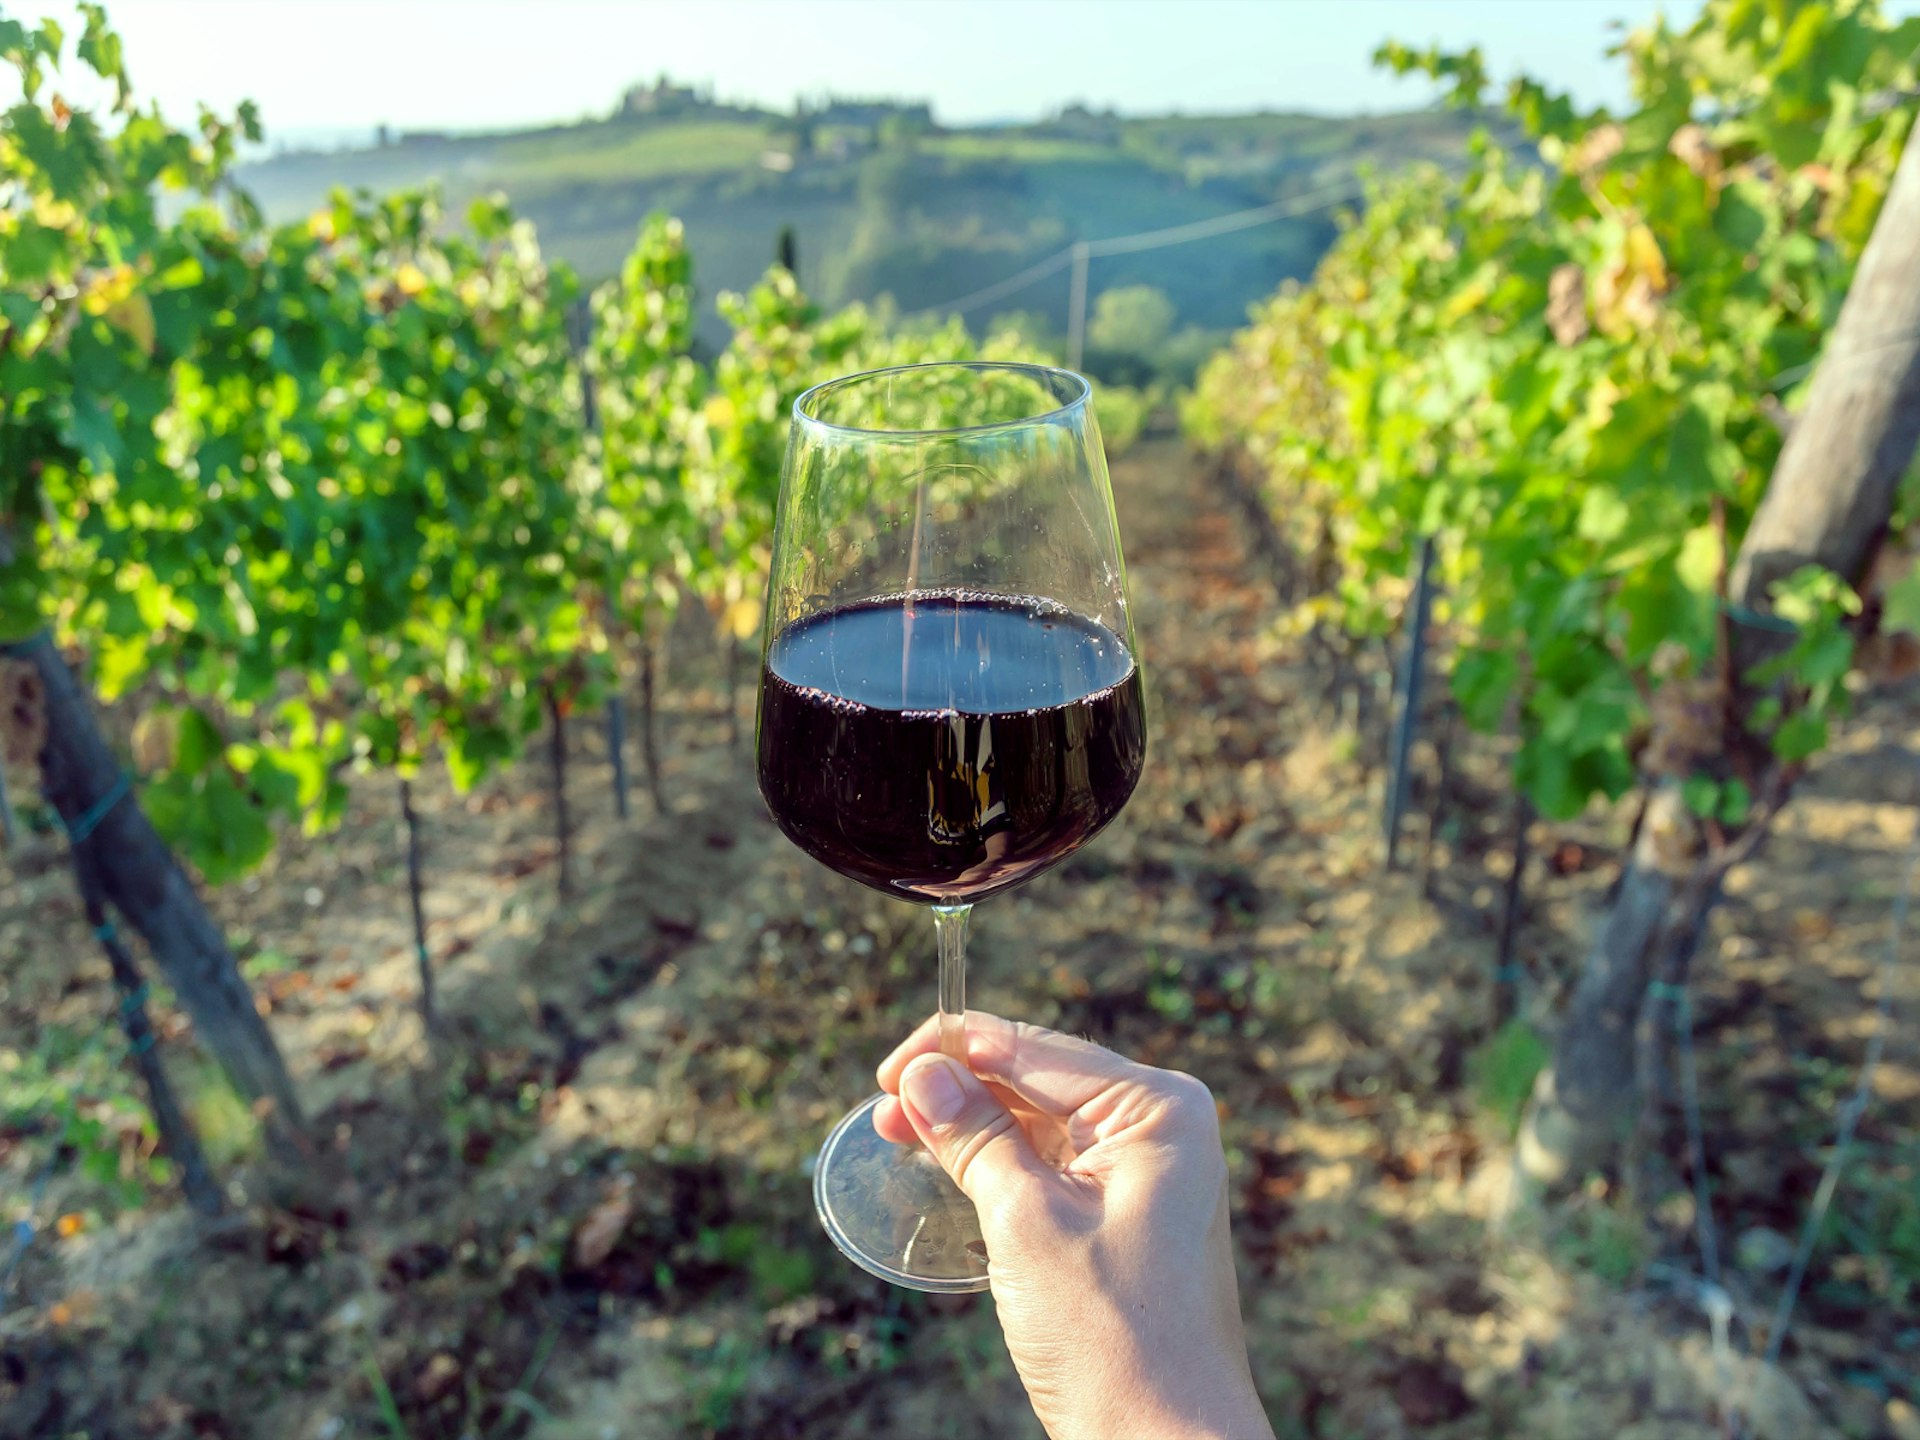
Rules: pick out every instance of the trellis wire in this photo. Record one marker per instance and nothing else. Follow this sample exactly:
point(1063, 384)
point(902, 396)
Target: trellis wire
point(1711, 1293)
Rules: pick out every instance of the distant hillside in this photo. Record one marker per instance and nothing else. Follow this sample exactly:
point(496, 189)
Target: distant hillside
point(882, 202)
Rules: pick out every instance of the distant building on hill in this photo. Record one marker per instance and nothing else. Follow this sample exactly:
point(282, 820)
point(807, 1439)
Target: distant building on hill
point(872, 114)
point(663, 98)
point(1084, 123)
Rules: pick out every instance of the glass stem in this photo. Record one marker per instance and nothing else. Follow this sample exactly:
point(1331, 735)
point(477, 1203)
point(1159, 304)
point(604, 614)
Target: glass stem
point(950, 925)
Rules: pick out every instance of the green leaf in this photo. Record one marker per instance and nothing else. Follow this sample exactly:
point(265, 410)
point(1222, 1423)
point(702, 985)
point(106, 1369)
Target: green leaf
point(1482, 681)
point(34, 253)
point(1743, 215)
point(21, 582)
point(1802, 38)
point(1545, 772)
point(67, 161)
point(96, 434)
point(1901, 604)
point(1813, 595)
point(1698, 564)
point(118, 661)
point(274, 784)
point(470, 756)
point(100, 47)
point(1801, 734)
point(1736, 802)
point(152, 600)
point(1603, 515)
point(197, 744)
point(307, 766)
point(236, 836)
point(1698, 452)
point(1825, 658)
point(1702, 794)
point(169, 804)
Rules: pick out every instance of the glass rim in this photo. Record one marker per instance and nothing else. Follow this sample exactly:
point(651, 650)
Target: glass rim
point(1082, 393)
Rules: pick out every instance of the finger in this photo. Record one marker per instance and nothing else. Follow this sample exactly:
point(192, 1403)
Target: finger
point(891, 1122)
point(1057, 1074)
point(974, 1137)
point(1047, 1135)
point(925, 1040)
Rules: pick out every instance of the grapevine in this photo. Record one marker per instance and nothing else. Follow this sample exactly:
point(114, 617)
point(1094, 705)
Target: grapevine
point(1566, 374)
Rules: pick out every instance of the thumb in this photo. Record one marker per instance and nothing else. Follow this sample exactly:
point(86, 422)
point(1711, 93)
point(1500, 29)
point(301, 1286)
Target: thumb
point(973, 1136)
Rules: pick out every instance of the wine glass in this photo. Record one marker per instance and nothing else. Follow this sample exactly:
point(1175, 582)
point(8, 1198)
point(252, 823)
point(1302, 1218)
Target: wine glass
point(949, 698)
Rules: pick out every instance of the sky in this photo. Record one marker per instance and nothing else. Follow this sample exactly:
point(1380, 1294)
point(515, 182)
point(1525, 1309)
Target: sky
point(320, 65)
point(323, 66)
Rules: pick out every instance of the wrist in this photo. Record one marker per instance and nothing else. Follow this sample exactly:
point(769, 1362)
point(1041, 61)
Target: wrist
point(1220, 1410)
point(1212, 1417)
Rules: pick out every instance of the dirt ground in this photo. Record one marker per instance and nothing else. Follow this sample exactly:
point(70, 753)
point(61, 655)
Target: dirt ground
point(586, 1212)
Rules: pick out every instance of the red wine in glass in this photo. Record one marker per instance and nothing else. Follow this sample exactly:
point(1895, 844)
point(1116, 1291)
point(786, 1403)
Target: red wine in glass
point(943, 747)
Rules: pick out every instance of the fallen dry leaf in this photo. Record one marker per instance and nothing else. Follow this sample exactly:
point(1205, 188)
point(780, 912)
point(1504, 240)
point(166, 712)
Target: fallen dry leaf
point(437, 1378)
point(1693, 148)
point(601, 1230)
point(1567, 304)
point(1811, 924)
point(76, 1309)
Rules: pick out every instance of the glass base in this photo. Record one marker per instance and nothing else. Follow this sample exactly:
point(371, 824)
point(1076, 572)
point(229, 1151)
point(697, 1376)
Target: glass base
point(892, 1210)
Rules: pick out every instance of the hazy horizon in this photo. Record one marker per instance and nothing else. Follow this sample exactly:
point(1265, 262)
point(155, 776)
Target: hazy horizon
point(327, 70)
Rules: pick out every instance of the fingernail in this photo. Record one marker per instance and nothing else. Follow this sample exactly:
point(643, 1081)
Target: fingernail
point(934, 1090)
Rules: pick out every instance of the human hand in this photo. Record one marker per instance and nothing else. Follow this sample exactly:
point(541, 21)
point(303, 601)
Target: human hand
point(1102, 1192)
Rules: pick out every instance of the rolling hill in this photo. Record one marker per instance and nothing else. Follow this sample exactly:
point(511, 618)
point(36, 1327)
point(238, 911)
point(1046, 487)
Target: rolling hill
point(883, 203)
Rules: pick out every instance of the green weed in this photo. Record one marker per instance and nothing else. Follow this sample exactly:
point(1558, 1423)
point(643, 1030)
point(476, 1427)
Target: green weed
point(229, 1132)
point(1877, 1217)
point(1605, 1242)
point(71, 1088)
point(383, 1397)
point(1503, 1070)
point(718, 1389)
point(266, 962)
point(1170, 993)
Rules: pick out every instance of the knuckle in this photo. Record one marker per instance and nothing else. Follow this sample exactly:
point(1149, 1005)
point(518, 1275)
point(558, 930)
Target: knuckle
point(1187, 1093)
point(1188, 1101)
point(969, 1143)
point(1018, 1038)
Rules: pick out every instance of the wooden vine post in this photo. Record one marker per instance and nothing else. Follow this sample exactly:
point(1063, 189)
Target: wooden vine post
point(580, 337)
point(138, 876)
point(179, 1142)
point(429, 1014)
point(557, 754)
point(1409, 684)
